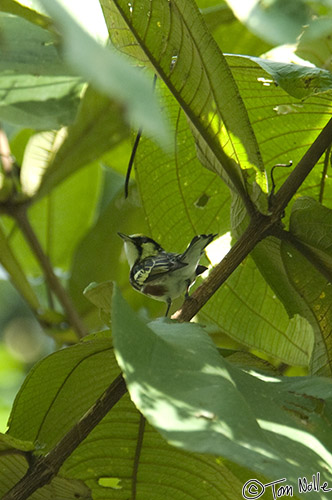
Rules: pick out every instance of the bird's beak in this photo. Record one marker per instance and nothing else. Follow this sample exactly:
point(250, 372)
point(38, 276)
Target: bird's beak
point(125, 237)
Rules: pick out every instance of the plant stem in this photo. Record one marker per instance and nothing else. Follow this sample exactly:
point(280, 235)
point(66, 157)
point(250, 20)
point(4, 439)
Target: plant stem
point(19, 212)
point(325, 167)
point(259, 227)
point(45, 468)
point(302, 169)
point(255, 232)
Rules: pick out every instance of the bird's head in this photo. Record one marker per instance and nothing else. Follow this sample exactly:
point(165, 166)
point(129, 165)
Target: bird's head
point(138, 247)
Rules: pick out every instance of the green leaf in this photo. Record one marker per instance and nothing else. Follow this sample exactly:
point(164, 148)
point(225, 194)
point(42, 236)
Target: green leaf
point(57, 393)
point(231, 35)
point(60, 220)
point(180, 199)
point(200, 402)
point(248, 310)
point(217, 15)
point(10, 263)
point(37, 90)
point(298, 81)
point(284, 126)
point(14, 464)
point(75, 383)
point(315, 290)
point(195, 71)
point(102, 247)
point(309, 265)
point(311, 222)
point(276, 21)
point(99, 126)
point(100, 295)
point(31, 15)
point(109, 73)
point(315, 42)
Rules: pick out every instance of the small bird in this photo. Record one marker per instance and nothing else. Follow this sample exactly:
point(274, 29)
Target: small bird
point(163, 275)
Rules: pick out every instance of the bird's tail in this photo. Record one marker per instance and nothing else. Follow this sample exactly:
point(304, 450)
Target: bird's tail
point(196, 247)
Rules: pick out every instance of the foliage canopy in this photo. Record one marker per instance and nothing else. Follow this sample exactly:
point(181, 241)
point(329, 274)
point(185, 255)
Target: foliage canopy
point(209, 405)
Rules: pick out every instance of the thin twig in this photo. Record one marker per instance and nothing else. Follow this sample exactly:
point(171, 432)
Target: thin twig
point(45, 468)
point(135, 146)
point(131, 161)
point(138, 450)
point(19, 212)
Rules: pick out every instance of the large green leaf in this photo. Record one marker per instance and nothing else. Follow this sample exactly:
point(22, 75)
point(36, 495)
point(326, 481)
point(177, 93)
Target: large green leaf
point(59, 220)
point(11, 264)
point(174, 38)
point(284, 126)
point(298, 81)
point(109, 73)
point(199, 402)
point(315, 42)
point(29, 13)
point(101, 247)
point(276, 21)
point(231, 35)
point(316, 292)
point(249, 311)
point(98, 127)
point(179, 198)
point(307, 260)
point(110, 460)
point(37, 89)
point(14, 464)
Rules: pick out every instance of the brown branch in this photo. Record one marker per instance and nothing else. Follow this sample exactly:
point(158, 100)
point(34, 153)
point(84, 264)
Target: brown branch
point(325, 167)
point(19, 213)
point(259, 227)
point(45, 468)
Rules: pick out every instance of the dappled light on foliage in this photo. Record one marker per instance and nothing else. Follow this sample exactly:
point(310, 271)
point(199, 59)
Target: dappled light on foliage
point(171, 119)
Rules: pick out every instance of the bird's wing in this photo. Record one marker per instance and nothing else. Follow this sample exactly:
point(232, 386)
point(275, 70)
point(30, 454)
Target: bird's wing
point(152, 268)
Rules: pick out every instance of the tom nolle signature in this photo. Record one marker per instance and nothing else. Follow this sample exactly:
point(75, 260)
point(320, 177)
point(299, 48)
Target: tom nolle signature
point(253, 488)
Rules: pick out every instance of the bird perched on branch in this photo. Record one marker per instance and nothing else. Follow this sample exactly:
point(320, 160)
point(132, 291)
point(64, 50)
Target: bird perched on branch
point(163, 275)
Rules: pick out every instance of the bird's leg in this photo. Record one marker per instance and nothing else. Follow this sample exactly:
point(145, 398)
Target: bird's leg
point(169, 302)
point(186, 295)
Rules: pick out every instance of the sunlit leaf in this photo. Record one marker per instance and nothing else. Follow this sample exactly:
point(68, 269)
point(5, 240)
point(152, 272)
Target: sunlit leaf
point(200, 402)
point(276, 21)
point(298, 81)
point(197, 74)
point(99, 126)
point(14, 455)
point(315, 44)
point(249, 311)
point(179, 197)
point(37, 90)
point(63, 386)
point(109, 73)
point(16, 273)
point(60, 220)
